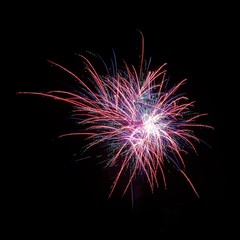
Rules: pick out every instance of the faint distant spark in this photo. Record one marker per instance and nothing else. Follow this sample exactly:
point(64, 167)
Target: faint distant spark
point(144, 123)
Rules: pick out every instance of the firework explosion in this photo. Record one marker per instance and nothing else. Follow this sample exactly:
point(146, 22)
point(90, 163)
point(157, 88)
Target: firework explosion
point(144, 124)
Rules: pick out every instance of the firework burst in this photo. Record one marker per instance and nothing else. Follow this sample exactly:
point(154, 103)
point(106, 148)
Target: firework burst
point(132, 111)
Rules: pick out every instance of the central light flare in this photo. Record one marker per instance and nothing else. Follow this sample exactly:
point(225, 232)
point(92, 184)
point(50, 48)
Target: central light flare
point(145, 131)
point(151, 125)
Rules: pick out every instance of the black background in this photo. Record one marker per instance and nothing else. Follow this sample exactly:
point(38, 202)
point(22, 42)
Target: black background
point(54, 192)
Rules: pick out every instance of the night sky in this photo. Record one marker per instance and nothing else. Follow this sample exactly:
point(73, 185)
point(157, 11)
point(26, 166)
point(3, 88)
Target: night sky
point(54, 189)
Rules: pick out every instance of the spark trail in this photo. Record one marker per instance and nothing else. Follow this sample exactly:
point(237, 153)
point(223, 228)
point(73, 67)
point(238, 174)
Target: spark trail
point(144, 123)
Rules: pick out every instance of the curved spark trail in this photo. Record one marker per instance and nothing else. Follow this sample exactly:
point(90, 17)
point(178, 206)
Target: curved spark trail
point(143, 123)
